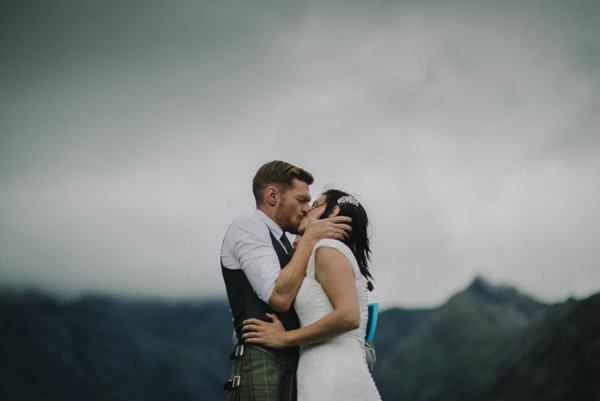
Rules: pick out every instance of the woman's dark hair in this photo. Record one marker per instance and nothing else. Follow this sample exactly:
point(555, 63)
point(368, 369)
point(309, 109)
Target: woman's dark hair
point(359, 241)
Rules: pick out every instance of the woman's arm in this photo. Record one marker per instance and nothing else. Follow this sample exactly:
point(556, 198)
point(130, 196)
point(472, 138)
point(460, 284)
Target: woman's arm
point(335, 274)
point(290, 278)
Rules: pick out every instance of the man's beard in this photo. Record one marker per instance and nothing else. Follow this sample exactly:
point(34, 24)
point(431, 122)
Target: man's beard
point(285, 218)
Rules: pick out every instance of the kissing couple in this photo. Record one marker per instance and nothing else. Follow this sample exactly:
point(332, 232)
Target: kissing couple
point(300, 314)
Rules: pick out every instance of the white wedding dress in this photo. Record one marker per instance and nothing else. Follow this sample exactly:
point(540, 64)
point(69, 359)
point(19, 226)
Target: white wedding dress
point(335, 369)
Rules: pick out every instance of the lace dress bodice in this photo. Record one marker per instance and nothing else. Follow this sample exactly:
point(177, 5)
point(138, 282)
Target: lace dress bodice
point(335, 369)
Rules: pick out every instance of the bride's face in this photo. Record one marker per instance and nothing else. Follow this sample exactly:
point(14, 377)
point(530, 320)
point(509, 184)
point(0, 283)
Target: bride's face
point(317, 206)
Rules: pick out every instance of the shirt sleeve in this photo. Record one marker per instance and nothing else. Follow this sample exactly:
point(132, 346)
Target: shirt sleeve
point(250, 244)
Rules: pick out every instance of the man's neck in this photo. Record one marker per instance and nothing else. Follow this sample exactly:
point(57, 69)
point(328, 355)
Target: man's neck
point(270, 212)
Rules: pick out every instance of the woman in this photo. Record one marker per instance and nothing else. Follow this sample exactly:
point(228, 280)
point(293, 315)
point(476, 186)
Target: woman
point(332, 308)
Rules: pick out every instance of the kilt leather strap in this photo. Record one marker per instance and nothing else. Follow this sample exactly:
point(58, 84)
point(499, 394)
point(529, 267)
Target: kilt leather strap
point(231, 384)
point(238, 353)
point(288, 377)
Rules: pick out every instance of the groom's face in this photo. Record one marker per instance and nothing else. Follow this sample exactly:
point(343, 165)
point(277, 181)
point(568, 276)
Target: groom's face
point(292, 206)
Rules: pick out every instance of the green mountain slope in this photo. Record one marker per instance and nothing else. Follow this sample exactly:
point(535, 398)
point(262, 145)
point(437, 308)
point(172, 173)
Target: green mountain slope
point(447, 357)
point(493, 343)
point(555, 360)
point(105, 349)
point(486, 343)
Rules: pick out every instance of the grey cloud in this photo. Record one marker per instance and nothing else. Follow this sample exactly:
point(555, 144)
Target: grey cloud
point(133, 131)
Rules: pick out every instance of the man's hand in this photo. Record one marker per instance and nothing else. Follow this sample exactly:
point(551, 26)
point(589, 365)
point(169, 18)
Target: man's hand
point(270, 334)
point(337, 227)
point(290, 279)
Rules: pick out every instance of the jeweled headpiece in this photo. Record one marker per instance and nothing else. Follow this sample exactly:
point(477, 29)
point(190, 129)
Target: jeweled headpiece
point(347, 199)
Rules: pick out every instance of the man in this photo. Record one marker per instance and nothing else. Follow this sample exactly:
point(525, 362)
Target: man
point(263, 274)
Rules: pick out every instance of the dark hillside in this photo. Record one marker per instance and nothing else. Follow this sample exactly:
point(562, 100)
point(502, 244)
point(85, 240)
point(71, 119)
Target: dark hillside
point(486, 343)
point(395, 326)
point(555, 360)
point(448, 355)
point(104, 349)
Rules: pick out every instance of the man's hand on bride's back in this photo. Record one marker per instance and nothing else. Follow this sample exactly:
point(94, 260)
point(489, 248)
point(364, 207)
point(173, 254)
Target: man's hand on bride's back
point(260, 332)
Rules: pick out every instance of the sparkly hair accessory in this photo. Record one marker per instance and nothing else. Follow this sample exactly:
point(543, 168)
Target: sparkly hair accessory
point(347, 199)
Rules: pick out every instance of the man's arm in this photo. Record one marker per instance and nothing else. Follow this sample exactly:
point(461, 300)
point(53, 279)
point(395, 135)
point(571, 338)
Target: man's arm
point(335, 273)
point(290, 279)
point(247, 246)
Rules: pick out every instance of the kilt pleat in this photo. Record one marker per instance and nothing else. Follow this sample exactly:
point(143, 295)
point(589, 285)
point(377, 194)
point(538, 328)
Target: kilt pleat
point(265, 374)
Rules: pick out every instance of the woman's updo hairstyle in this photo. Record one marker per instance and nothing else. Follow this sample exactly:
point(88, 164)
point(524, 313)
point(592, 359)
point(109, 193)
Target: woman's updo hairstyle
point(358, 241)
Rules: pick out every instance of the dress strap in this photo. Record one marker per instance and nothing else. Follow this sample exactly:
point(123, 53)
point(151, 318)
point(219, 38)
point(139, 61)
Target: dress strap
point(340, 246)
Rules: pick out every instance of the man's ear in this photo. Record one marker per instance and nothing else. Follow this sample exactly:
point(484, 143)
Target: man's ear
point(335, 211)
point(271, 195)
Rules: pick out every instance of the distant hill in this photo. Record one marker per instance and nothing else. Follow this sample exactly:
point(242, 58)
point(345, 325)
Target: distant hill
point(558, 358)
point(486, 343)
point(492, 343)
point(97, 348)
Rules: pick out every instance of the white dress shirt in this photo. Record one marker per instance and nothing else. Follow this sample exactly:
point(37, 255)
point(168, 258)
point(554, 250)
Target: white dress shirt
point(247, 245)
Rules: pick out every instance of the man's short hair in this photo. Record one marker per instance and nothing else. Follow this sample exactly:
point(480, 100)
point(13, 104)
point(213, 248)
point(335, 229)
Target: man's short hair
point(280, 174)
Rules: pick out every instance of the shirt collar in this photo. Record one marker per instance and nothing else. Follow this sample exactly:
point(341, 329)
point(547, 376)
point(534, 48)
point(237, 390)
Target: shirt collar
point(274, 227)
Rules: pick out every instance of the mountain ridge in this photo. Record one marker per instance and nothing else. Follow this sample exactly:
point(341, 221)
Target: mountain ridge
point(485, 343)
point(470, 348)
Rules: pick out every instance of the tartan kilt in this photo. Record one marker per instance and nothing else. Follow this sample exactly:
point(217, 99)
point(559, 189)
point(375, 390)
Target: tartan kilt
point(265, 374)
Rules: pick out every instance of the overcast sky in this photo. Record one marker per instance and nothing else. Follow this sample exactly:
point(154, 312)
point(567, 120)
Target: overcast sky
point(469, 129)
